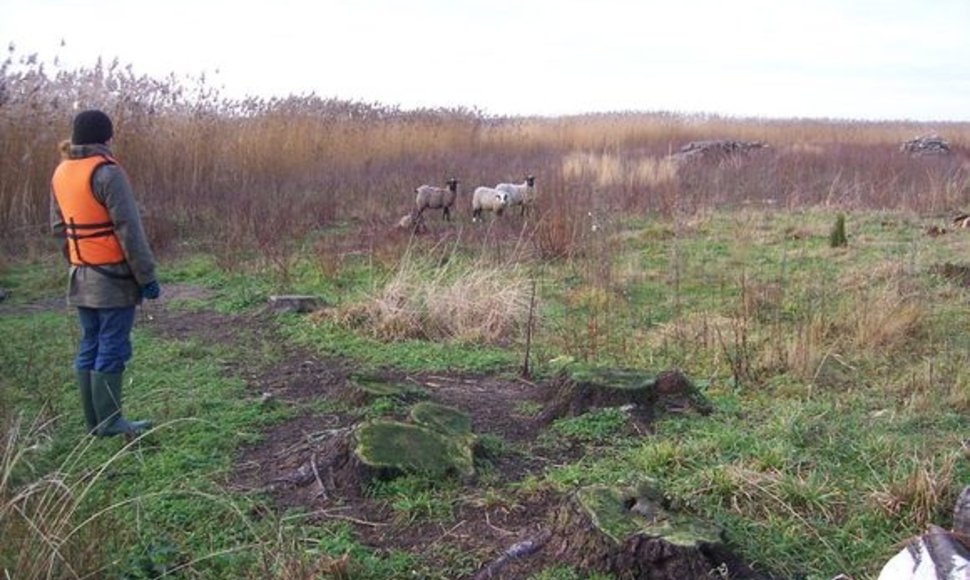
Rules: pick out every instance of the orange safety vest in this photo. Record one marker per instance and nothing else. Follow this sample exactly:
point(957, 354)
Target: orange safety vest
point(90, 234)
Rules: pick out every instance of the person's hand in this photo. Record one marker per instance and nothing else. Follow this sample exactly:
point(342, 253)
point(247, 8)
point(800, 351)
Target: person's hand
point(151, 291)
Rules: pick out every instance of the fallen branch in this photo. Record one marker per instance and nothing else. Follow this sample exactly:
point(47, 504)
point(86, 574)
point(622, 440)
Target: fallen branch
point(316, 473)
point(330, 514)
point(516, 550)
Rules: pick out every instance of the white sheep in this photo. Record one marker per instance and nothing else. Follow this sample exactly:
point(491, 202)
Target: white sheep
point(431, 197)
point(488, 199)
point(520, 194)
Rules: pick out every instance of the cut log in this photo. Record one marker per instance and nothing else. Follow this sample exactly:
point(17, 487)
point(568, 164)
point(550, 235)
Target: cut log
point(716, 149)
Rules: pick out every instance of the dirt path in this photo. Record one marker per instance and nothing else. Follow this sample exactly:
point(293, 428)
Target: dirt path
point(278, 465)
point(487, 517)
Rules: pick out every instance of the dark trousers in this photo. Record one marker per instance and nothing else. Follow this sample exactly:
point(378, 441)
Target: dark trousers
point(105, 339)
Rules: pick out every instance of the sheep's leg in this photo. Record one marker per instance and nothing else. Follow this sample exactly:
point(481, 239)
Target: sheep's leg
point(418, 222)
point(447, 213)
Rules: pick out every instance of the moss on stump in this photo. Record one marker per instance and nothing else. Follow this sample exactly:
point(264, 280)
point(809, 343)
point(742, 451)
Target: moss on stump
point(391, 448)
point(443, 419)
point(629, 533)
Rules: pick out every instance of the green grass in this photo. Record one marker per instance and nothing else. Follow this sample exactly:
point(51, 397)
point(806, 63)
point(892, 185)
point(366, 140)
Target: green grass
point(42, 277)
point(166, 494)
point(597, 426)
point(836, 434)
point(810, 472)
point(327, 337)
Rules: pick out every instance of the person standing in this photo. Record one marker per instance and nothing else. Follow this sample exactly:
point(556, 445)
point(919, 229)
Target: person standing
point(112, 268)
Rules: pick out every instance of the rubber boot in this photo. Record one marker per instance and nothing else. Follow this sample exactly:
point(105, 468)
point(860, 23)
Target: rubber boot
point(84, 387)
point(106, 390)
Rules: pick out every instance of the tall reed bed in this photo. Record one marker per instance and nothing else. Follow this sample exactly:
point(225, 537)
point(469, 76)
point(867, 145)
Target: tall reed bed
point(252, 173)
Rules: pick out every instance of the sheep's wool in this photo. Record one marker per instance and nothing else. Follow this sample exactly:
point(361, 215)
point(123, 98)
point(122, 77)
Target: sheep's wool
point(931, 557)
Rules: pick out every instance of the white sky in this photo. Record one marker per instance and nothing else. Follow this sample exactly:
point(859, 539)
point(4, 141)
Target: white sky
point(854, 59)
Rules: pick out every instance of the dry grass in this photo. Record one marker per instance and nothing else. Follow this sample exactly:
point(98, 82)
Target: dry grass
point(44, 534)
point(862, 322)
point(214, 169)
point(607, 170)
point(921, 493)
point(478, 302)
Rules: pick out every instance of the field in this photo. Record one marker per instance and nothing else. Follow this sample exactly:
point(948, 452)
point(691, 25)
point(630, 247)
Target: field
point(839, 405)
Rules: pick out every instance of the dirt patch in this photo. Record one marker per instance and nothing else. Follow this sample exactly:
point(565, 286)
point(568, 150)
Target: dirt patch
point(495, 405)
point(50, 304)
point(304, 463)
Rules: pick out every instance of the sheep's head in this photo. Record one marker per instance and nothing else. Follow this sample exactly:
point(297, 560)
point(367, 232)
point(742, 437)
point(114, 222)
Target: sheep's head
point(453, 184)
point(530, 180)
point(503, 198)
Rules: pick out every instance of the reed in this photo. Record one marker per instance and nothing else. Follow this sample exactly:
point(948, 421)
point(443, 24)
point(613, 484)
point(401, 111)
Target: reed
point(208, 169)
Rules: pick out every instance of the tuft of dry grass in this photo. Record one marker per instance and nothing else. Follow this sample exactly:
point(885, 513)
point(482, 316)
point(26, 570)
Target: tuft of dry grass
point(478, 302)
point(921, 495)
point(44, 534)
point(865, 323)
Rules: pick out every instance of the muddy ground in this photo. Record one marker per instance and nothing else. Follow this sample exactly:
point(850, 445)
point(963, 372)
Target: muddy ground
point(290, 464)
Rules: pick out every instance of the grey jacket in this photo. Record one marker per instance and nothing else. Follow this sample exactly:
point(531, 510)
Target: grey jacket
point(86, 286)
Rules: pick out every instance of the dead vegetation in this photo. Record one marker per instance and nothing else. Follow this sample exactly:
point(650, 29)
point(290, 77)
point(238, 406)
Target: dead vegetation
point(257, 174)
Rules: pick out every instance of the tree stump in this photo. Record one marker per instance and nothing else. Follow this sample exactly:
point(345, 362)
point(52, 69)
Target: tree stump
point(576, 391)
point(629, 533)
point(344, 460)
point(391, 448)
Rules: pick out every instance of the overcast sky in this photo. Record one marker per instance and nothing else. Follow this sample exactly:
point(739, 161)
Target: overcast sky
point(852, 59)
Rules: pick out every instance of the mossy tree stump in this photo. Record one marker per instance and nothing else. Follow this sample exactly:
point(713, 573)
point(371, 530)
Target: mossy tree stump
point(438, 443)
point(384, 449)
point(629, 533)
point(390, 448)
point(576, 391)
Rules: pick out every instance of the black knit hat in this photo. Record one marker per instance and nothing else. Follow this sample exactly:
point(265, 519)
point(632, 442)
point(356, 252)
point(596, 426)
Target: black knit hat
point(91, 127)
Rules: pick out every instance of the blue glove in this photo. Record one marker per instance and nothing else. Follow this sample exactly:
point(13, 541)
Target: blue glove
point(151, 290)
